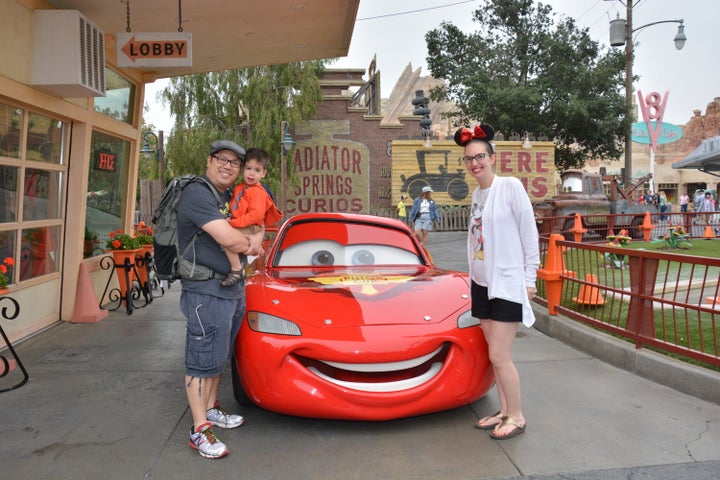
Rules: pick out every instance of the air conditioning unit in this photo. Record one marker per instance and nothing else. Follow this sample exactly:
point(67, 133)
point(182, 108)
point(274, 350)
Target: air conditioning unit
point(68, 54)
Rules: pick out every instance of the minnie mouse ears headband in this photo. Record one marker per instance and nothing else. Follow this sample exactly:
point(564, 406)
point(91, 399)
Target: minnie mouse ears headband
point(484, 132)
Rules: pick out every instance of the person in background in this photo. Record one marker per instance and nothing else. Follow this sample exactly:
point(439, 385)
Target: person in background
point(649, 198)
point(707, 206)
point(698, 199)
point(503, 258)
point(251, 208)
point(423, 213)
point(663, 204)
point(684, 201)
point(213, 313)
point(401, 210)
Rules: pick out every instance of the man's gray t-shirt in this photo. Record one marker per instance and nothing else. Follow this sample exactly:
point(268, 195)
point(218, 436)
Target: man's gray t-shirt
point(196, 207)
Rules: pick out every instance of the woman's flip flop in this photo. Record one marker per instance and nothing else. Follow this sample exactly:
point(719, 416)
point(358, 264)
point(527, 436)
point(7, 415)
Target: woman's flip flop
point(489, 426)
point(519, 428)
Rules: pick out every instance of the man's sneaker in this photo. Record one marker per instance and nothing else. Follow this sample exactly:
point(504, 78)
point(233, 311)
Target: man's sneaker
point(218, 416)
point(206, 443)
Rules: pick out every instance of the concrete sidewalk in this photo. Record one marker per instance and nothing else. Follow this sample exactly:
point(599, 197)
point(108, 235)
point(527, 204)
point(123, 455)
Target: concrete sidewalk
point(106, 400)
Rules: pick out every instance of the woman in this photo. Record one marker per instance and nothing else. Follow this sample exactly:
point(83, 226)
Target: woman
point(424, 213)
point(503, 257)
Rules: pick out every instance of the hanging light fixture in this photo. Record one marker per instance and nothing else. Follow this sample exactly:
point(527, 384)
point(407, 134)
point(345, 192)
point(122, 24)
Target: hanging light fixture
point(287, 143)
point(680, 37)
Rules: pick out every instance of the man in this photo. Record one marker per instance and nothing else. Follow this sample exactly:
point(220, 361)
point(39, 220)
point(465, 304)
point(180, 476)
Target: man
point(698, 199)
point(213, 313)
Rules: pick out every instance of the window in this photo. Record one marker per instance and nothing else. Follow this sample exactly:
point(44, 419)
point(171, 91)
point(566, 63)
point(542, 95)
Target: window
point(119, 97)
point(671, 191)
point(106, 189)
point(33, 171)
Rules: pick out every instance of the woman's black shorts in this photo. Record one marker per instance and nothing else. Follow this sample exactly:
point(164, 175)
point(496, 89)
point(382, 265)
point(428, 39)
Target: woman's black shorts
point(495, 309)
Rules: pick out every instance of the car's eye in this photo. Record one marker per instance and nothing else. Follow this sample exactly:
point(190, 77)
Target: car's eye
point(323, 257)
point(363, 257)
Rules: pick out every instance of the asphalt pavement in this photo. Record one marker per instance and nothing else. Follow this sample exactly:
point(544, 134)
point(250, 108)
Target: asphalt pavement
point(106, 400)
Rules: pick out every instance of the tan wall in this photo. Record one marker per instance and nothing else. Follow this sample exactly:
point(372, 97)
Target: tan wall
point(58, 290)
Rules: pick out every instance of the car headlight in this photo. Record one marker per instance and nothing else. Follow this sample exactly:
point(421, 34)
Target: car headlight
point(466, 320)
point(264, 323)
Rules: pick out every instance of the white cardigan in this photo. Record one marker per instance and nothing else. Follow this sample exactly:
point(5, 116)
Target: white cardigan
point(510, 243)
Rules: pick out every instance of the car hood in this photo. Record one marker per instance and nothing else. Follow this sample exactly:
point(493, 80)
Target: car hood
point(422, 295)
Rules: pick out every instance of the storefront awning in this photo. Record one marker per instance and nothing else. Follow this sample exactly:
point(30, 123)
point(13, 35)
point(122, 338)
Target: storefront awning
point(705, 158)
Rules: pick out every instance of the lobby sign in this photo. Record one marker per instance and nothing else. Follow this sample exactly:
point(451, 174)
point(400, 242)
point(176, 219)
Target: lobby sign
point(154, 49)
point(668, 133)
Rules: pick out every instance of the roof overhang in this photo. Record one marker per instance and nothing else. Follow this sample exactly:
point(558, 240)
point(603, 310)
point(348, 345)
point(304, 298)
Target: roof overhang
point(230, 34)
point(705, 157)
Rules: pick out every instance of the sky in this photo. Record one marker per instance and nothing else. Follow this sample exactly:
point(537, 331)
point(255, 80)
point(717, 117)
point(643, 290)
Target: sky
point(394, 32)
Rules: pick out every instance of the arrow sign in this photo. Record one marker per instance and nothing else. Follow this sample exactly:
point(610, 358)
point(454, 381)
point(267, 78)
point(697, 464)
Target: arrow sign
point(154, 49)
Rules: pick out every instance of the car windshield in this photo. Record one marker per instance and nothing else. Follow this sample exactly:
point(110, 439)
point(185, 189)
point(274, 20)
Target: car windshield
point(572, 183)
point(335, 243)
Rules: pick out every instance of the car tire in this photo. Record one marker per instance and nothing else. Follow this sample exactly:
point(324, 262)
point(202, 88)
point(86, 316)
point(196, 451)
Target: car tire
point(238, 390)
point(636, 231)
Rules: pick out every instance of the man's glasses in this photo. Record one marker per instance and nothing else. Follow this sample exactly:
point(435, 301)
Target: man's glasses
point(476, 158)
point(224, 161)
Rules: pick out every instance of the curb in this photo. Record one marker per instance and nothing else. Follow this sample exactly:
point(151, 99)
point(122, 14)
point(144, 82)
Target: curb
point(692, 380)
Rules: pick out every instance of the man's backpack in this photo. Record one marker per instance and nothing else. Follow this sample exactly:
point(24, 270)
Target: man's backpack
point(166, 243)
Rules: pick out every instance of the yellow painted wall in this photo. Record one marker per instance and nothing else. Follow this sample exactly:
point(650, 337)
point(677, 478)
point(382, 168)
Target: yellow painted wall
point(442, 168)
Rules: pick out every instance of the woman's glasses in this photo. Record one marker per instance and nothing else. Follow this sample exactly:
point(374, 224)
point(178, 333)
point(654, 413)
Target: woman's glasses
point(477, 158)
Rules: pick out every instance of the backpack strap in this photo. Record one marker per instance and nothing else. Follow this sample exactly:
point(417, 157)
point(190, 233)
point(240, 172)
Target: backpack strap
point(219, 202)
point(212, 189)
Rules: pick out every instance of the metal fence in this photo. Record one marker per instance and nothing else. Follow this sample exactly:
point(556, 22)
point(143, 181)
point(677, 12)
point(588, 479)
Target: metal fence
point(452, 219)
point(668, 301)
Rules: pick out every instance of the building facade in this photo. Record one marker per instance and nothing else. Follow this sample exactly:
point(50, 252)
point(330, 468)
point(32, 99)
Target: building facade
point(71, 124)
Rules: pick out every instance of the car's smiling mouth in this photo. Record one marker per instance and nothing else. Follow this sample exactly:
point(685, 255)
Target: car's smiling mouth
point(380, 377)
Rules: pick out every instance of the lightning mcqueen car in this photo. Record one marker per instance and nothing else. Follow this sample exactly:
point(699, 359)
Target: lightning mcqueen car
point(348, 318)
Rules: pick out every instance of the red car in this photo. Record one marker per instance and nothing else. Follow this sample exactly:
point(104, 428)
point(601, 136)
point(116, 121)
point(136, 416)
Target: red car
point(348, 318)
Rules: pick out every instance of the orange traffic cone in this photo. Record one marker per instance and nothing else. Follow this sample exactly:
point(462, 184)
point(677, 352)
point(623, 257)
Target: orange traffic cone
point(715, 301)
point(87, 309)
point(578, 229)
point(708, 233)
point(11, 365)
point(589, 295)
point(647, 227)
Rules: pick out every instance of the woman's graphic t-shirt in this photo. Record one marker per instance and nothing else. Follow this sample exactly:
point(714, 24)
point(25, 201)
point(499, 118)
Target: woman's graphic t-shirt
point(475, 238)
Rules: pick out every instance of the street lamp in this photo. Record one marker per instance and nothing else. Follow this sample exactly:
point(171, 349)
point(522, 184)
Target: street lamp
point(621, 32)
point(287, 143)
point(147, 150)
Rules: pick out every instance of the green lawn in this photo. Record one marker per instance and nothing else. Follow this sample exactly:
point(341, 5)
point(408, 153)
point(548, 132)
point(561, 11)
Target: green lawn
point(701, 247)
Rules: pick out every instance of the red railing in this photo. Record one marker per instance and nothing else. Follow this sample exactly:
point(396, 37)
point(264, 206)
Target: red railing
point(668, 301)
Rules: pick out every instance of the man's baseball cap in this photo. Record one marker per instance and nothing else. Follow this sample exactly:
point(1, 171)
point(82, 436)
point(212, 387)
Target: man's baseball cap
point(427, 189)
point(227, 145)
point(403, 197)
